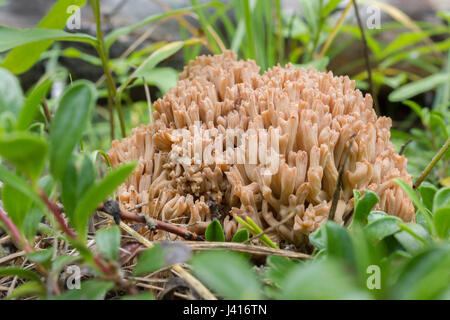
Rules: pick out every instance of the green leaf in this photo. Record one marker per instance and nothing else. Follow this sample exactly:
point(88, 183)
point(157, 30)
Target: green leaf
point(415, 88)
point(69, 183)
point(156, 57)
point(214, 269)
point(415, 199)
point(163, 78)
point(162, 255)
point(32, 103)
point(424, 276)
point(20, 272)
point(28, 289)
point(11, 95)
point(16, 204)
point(71, 118)
point(42, 256)
point(86, 177)
point(339, 244)
point(8, 177)
point(318, 64)
point(318, 238)
point(240, 236)
point(442, 198)
point(415, 241)
point(24, 57)
point(90, 290)
point(108, 241)
point(319, 280)
point(214, 232)
point(150, 260)
point(31, 222)
point(26, 151)
point(277, 268)
point(441, 221)
point(12, 37)
point(363, 205)
point(96, 194)
point(382, 227)
point(427, 192)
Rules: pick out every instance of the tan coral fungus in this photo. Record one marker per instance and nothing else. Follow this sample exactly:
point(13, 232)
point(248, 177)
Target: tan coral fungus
point(309, 117)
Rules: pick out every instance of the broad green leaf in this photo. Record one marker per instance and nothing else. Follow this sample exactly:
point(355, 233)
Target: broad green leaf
point(240, 236)
point(12, 37)
point(415, 88)
point(67, 126)
point(150, 260)
point(16, 204)
point(424, 276)
point(214, 232)
point(32, 103)
point(323, 279)
point(163, 78)
point(90, 290)
point(26, 151)
point(228, 274)
point(413, 243)
point(8, 177)
point(28, 289)
point(31, 221)
point(108, 241)
point(318, 238)
point(86, 177)
point(24, 57)
point(441, 221)
point(382, 227)
point(69, 183)
point(98, 193)
point(415, 199)
point(42, 256)
point(277, 268)
point(442, 198)
point(427, 192)
point(375, 215)
point(20, 272)
point(162, 255)
point(339, 244)
point(11, 95)
point(363, 205)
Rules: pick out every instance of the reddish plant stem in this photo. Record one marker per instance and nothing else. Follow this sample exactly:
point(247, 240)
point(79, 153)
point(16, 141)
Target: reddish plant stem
point(15, 234)
point(155, 224)
point(54, 208)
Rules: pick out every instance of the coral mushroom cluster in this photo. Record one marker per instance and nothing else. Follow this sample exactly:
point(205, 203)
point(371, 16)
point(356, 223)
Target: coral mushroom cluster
point(308, 117)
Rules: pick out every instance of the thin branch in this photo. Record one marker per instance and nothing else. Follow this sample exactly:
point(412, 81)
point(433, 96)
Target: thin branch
point(14, 231)
point(337, 190)
point(57, 213)
point(196, 284)
point(403, 147)
point(367, 60)
point(112, 208)
point(432, 163)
